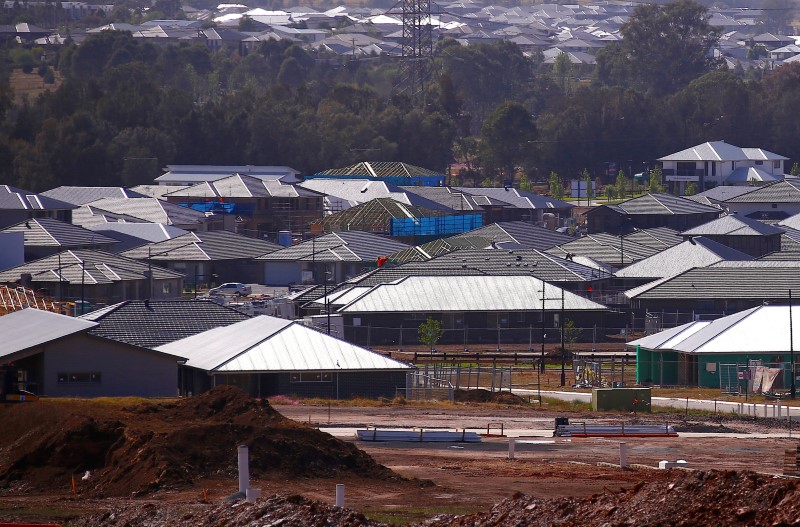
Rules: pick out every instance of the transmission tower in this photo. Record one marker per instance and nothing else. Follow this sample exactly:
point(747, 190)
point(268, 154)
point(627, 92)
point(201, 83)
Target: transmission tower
point(415, 66)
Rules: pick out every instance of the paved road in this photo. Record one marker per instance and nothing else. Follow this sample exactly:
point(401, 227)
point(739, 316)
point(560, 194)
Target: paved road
point(770, 409)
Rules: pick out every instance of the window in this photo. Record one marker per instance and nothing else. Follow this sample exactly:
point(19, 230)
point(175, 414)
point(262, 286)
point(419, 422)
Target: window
point(310, 376)
point(776, 164)
point(166, 288)
point(759, 163)
point(80, 378)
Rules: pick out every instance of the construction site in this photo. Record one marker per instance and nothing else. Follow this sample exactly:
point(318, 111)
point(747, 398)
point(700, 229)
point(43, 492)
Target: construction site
point(484, 459)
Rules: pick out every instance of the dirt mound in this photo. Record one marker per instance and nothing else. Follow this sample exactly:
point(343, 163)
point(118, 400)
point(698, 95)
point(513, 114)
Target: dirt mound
point(485, 396)
point(152, 446)
point(722, 499)
point(292, 511)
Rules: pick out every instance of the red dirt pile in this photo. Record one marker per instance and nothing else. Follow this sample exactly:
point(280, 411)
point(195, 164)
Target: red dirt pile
point(153, 446)
point(721, 499)
point(485, 396)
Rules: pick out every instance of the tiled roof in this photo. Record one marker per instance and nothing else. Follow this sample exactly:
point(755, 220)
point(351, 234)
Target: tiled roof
point(49, 232)
point(660, 204)
point(700, 252)
point(790, 247)
point(380, 169)
point(733, 225)
point(12, 198)
point(85, 266)
point(723, 192)
point(520, 232)
point(605, 248)
point(150, 209)
point(721, 151)
point(353, 246)
point(152, 323)
point(455, 200)
point(713, 283)
point(204, 246)
point(84, 195)
point(657, 237)
point(786, 191)
point(242, 186)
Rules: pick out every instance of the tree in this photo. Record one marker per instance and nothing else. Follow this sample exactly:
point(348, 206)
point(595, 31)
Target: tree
point(691, 189)
point(556, 188)
point(621, 185)
point(655, 181)
point(795, 170)
point(563, 71)
point(504, 139)
point(663, 48)
point(587, 179)
point(430, 332)
point(571, 333)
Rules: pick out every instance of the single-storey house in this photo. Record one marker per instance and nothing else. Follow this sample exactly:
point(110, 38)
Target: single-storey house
point(649, 211)
point(268, 356)
point(55, 355)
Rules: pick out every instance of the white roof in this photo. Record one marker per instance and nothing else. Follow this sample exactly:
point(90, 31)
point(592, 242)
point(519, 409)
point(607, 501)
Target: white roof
point(269, 344)
point(30, 327)
point(428, 294)
point(721, 151)
point(759, 330)
point(663, 339)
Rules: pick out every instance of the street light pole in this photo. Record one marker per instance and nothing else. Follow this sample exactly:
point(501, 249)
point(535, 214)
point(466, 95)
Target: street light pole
point(793, 391)
point(541, 365)
point(563, 351)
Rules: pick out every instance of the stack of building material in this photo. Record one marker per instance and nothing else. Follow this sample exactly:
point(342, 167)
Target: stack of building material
point(791, 461)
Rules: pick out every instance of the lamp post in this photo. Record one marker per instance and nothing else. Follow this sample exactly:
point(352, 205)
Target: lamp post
point(793, 390)
point(563, 351)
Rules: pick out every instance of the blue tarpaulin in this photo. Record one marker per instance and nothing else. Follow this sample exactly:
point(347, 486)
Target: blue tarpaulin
point(436, 225)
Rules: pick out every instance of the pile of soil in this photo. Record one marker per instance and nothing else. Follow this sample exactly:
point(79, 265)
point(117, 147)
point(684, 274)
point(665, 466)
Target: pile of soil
point(722, 499)
point(486, 396)
point(151, 446)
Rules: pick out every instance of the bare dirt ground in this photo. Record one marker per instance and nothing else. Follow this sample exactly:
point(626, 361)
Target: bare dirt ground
point(182, 472)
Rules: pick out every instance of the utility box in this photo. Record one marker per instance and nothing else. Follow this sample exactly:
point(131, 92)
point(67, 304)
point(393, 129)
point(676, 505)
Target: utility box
point(626, 399)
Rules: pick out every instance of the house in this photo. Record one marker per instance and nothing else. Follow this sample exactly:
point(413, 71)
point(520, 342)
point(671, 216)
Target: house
point(208, 257)
point(95, 276)
point(715, 353)
point(268, 356)
point(56, 356)
point(46, 236)
point(150, 210)
point(741, 233)
point(719, 163)
point(331, 257)
point(341, 194)
point(84, 195)
point(129, 234)
point(648, 211)
point(260, 207)
point(777, 200)
point(488, 309)
point(520, 205)
point(188, 175)
point(152, 323)
point(17, 205)
point(392, 172)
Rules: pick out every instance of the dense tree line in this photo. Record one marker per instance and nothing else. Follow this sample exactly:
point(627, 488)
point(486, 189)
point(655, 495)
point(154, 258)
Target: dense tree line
point(126, 107)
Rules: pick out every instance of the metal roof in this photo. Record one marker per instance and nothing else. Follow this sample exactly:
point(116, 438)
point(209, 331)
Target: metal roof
point(428, 294)
point(745, 175)
point(699, 252)
point(84, 195)
point(12, 198)
point(518, 198)
point(664, 339)
point(762, 329)
point(22, 330)
point(49, 232)
point(269, 344)
point(721, 151)
point(733, 225)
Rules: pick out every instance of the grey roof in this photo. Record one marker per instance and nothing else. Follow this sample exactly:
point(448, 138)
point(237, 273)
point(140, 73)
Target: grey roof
point(242, 186)
point(786, 191)
point(518, 198)
point(269, 344)
point(750, 174)
point(156, 322)
point(432, 294)
point(525, 234)
point(83, 266)
point(722, 193)
point(699, 252)
point(157, 191)
point(147, 232)
point(204, 246)
point(150, 209)
point(88, 216)
point(28, 328)
point(12, 198)
point(453, 199)
point(715, 282)
point(721, 151)
point(352, 246)
point(660, 204)
point(733, 225)
point(344, 193)
point(658, 238)
point(790, 247)
point(605, 248)
point(195, 173)
point(49, 232)
point(84, 195)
